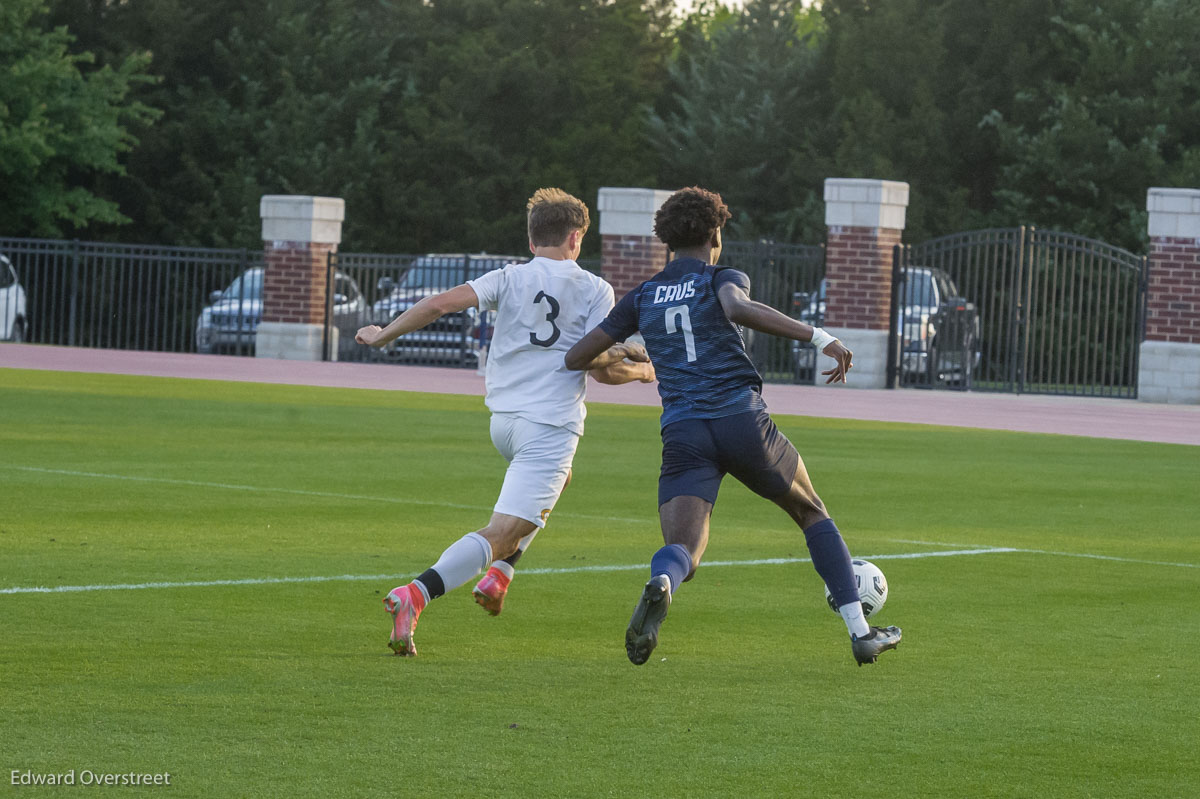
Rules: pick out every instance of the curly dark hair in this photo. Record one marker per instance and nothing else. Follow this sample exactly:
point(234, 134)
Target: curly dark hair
point(689, 217)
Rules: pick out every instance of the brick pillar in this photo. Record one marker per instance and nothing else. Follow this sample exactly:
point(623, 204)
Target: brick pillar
point(298, 233)
point(1169, 361)
point(865, 220)
point(629, 250)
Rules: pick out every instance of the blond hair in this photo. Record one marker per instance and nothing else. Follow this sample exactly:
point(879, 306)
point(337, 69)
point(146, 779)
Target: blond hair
point(553, 214)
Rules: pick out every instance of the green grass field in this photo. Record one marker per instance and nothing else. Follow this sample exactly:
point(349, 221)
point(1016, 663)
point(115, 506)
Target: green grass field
point(1065, 668)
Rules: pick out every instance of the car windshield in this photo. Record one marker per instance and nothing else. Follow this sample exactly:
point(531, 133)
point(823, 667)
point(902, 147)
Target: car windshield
point(446, 273)
point(247, 285)
point(918, 288)
point(431, 277)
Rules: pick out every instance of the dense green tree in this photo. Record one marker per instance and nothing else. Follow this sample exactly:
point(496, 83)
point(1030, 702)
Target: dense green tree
point(435, 121)
point(61, 123)
point(739, 116)
point(1117, 113)
point(527, 93)
point(910, 83)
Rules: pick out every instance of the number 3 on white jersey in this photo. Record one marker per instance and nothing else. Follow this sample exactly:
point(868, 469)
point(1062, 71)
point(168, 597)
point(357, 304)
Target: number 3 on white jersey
point(680, 313)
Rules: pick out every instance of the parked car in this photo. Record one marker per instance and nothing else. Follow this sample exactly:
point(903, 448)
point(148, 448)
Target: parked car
point(939, 330)
point(230, 322)
point(808, 307)
point(14, 325)
point(455, 338)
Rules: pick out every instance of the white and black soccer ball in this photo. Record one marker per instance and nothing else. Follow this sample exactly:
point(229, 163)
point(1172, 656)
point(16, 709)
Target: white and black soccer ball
point(872, 587)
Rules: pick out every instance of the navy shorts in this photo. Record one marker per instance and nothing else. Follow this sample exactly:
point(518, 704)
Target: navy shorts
point(698, 453)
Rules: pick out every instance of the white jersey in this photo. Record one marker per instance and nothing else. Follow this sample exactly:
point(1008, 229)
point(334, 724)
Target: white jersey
point(542, 308)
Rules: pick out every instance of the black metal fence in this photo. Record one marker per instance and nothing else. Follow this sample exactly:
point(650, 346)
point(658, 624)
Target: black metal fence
point(1001, 310)
point(1018, 309)
point(190, 299)
point(787, 277)
point(120, 296)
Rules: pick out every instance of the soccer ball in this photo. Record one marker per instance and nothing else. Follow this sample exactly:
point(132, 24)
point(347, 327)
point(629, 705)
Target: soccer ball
point(872, 587)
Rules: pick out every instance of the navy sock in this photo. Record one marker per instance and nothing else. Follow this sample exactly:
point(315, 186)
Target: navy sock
point(673, 560)
point(831, 559)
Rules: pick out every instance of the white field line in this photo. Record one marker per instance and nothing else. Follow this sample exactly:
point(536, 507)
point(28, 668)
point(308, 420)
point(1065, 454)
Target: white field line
point(305, 493)
point(1088, 555)
point(965, 551)
point(63, 589)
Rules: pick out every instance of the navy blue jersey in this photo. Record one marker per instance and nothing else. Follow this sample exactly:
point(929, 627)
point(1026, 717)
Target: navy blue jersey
point(698, 354)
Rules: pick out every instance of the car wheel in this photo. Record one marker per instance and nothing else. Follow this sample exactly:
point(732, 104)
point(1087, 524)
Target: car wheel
point(933, 356)
point(204, 344)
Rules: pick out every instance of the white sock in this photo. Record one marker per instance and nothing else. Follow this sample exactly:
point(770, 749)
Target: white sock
point(504, 567)
point(462, 560)
point(856, 623)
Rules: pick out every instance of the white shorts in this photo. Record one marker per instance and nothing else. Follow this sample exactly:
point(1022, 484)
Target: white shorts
point(539, 461)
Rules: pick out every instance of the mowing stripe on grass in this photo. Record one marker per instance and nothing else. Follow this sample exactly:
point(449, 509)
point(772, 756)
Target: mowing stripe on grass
point(62, 589)
point(563, 514)
point(302, 492)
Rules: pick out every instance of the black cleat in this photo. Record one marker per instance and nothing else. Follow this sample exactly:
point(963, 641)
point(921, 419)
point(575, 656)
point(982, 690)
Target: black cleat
point(642, 635)
point(879, 640)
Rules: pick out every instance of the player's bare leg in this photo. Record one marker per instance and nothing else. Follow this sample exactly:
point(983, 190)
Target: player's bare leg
point(490, 591)
point(461, 561)
point(509, 535)
point(684, 522)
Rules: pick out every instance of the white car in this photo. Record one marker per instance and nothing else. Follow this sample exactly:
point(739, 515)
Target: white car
point(14, 325)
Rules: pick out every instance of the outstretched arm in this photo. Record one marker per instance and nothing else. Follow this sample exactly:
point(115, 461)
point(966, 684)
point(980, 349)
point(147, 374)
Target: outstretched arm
point(597, 349)
point(427, 310)
point(625, 371)
point(741, 310)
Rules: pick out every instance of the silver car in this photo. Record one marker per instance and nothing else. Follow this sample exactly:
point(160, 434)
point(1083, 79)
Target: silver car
point(230, 322)
point(14, 325)
point(454, 338)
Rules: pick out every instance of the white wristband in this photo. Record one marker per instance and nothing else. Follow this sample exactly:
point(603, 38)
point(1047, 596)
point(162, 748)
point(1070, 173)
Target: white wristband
point(821, 339)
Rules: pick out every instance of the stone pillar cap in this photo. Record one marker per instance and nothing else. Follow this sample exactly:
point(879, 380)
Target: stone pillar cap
point(864, 202)
point(629, 212)
point(1174, 213)
point(302, 218)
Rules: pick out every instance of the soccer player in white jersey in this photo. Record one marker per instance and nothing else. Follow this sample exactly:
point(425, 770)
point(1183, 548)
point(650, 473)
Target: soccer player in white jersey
point(542, 308)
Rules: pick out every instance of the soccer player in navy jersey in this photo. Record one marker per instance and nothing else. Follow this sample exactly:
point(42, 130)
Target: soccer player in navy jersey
point(714, 420)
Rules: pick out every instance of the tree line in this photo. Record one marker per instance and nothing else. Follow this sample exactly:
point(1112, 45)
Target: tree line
point(164, 121)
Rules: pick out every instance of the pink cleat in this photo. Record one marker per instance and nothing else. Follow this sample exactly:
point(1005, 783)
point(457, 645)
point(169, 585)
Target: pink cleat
point(490, 591)
point(405, 603)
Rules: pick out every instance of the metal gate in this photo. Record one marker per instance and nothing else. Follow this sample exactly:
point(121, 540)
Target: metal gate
point(1020, 310)
point(786, 277)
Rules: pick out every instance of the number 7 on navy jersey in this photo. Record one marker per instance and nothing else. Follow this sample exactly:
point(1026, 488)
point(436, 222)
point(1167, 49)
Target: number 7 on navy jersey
point(679, 319)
